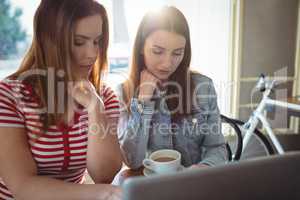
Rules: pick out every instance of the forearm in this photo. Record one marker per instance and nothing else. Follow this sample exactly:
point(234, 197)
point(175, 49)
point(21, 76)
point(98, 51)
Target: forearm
point(214, 147)
point(214, 143)
point(104, 158)
point(134, 142)
point(44, 188)
point(134, 135)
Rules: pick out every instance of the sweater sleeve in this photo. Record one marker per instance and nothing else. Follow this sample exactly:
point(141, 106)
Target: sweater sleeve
point(11, 114)
point(133, 132)
point(214, 149)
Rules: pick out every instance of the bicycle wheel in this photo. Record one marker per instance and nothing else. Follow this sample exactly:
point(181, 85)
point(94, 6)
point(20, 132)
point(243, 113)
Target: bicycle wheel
point(258, 144)
point(233, 141)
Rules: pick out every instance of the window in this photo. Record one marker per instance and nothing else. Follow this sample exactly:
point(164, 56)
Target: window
point(209, 22)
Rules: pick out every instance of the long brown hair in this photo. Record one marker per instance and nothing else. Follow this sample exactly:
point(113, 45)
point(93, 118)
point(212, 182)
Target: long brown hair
point(54, 23)
point(170, 19)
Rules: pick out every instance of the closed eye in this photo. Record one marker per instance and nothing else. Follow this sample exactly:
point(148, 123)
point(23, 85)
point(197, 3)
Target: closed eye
point(79, 42)
point(178, 53)
point(157, 51)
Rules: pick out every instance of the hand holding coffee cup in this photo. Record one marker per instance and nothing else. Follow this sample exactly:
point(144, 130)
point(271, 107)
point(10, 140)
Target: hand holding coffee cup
point(163, 161)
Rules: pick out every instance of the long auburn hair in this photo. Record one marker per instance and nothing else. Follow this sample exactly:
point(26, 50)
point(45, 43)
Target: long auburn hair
point(170, 19)
point(54, 23)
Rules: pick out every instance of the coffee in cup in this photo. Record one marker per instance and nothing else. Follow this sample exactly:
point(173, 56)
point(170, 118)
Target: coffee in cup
point(163, 161)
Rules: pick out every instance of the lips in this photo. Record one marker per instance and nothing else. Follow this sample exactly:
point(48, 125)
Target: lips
point(164, 72)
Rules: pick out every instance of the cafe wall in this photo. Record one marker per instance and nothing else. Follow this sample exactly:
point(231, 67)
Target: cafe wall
point(268, 45)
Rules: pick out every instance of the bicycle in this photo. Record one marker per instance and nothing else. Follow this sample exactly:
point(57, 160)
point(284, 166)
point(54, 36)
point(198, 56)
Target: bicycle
point(254, 138)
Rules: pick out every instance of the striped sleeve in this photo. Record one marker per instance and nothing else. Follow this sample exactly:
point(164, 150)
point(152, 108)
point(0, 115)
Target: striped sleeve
point(111, 103)
point(10, 112)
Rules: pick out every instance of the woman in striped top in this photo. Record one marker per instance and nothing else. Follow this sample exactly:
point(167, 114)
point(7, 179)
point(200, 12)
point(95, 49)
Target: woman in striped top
point(57, 119)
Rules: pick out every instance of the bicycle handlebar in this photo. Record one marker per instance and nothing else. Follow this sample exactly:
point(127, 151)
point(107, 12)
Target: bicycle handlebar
point(264, 83)
point(261, 83)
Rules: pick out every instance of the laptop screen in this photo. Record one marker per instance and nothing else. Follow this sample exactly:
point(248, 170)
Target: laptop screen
point(273, 177)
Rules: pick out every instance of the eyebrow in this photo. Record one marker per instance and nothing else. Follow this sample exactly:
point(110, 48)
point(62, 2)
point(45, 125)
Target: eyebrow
point(86, 37)
point(157, 46)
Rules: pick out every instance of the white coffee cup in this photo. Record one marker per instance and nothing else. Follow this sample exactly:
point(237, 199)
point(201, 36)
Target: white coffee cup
point(163, 161)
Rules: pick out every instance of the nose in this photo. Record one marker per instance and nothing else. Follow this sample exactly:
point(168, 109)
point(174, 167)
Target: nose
point(92, 52)
point(168, 62)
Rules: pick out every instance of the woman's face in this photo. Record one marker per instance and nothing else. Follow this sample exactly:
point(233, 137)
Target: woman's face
point(85, 45)
point(163, 52)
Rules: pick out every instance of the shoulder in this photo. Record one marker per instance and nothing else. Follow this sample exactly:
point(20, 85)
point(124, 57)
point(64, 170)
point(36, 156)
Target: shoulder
point(14, 97)
point(11, 84)
point(199, 78)
point(204, 92)
point(202, 84)
point(15, 88)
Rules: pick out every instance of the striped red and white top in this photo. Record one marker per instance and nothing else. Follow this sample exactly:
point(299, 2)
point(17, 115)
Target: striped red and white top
point(60, 152)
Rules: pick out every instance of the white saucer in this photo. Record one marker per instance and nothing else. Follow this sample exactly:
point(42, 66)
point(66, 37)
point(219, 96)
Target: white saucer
point(149, 172)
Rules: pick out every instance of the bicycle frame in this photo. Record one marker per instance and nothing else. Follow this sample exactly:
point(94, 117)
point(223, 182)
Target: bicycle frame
point(257, 116)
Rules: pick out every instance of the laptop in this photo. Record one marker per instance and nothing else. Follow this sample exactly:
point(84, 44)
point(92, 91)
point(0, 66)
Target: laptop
point(273, 177)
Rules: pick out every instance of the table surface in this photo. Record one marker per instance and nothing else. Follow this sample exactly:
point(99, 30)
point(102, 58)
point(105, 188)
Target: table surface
point(295, 100)
point(125, 173)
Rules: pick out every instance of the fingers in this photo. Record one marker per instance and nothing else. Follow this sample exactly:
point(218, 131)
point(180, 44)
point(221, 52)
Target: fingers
point(85, 94)
point(148, 83)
